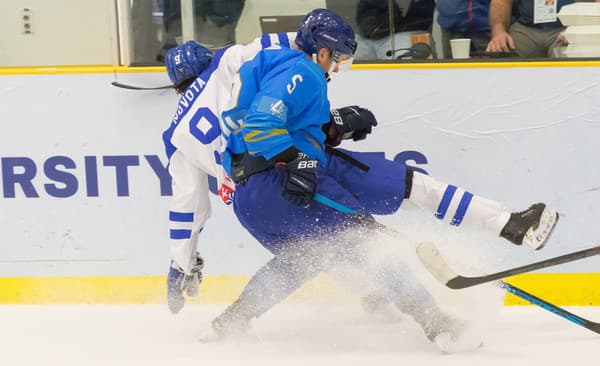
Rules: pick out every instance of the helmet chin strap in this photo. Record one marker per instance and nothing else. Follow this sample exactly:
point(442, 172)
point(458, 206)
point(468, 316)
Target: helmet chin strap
point(327, 74)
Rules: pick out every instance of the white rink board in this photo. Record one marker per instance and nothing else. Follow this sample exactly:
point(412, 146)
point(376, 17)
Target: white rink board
point(519, 135)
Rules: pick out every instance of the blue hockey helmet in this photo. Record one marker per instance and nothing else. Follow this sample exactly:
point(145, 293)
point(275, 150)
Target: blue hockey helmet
point(187, 61)
point(322, 28)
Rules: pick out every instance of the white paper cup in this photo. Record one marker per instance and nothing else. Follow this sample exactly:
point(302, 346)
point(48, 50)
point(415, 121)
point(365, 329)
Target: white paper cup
point(460, 47)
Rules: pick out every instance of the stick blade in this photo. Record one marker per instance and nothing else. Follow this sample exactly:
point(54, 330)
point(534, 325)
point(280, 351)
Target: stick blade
point(594, 327)
point(435, 263)
point(134, 87)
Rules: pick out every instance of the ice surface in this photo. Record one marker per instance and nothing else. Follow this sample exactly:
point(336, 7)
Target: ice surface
point(288, 335)
point(313, 334)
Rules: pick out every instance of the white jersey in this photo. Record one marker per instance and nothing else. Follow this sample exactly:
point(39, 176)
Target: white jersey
point(193, 143)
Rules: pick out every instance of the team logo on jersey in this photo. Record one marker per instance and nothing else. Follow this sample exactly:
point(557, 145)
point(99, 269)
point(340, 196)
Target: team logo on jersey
point(279, 109)
point(226, 193)
point(272, 106)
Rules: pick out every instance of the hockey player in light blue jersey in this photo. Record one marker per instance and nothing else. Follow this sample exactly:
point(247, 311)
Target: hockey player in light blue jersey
point(278, 159)
point(193, 144)
point(279, 109)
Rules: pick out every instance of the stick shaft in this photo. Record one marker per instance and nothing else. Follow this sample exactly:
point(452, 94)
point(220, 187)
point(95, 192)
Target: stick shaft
point(594, 327)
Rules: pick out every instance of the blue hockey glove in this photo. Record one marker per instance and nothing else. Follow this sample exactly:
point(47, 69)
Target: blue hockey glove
point(300, 182)
point(351, 122)
point(178, 282)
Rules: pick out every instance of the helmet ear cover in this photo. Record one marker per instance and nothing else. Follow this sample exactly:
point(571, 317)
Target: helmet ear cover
point(187, 61)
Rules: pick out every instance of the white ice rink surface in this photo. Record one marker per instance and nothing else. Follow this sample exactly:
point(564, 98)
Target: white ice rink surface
point(288, 335)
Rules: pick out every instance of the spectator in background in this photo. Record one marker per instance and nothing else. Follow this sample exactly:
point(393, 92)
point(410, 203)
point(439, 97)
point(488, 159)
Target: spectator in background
point(215, 22)
point(535, 32)
point(464, 19)
point(373, 23)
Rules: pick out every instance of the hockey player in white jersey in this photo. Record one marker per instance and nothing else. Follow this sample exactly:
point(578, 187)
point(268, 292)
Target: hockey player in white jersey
point(193, 144)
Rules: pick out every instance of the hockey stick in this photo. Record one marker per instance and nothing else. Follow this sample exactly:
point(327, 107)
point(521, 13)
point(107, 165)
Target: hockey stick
point(433, 261)
point(594, 327)
point(133, 87)
point(437, 266)
point(350, 212)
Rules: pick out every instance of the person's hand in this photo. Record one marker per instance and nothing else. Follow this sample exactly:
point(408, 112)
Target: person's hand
point(178, 282)
point(561, 39)
point(300, 181)
point(351, 122)
point(501, 42)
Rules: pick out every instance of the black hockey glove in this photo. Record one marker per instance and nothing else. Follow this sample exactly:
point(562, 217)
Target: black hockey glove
point(348, 122)
point(178, 282)
point(300, 181)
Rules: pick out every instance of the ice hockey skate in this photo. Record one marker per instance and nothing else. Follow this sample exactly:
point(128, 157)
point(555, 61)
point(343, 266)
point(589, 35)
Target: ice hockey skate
point(232, 322)
point(532, 227)
point(449, 334)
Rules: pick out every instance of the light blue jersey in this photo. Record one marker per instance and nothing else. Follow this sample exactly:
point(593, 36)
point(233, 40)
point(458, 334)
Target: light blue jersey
point(282, 102)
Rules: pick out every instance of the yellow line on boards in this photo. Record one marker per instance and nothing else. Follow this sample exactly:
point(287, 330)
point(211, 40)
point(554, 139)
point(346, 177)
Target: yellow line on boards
point(558, 288)
point(476, 65)
point(561, 289)
point(58, 70)
point(109, 290)
point(107, 69)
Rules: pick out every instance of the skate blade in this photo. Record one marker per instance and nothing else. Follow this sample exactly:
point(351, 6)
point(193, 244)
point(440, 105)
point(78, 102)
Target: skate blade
point(211, 336)
point(537, 238)
point(448, 344)
point(214, 337)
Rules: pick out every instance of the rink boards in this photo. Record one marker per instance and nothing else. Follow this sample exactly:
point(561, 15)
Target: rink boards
point(85, 192)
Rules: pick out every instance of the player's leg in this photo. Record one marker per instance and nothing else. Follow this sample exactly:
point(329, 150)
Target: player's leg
point(385, 282)
point(303, 241)
point(291, 267)
point(380, 189)
point(459, 207)
point(398, 285)
point(384, 187)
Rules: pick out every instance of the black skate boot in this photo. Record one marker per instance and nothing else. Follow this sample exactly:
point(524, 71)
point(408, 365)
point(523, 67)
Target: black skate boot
point(532, 227)
point(234, 321)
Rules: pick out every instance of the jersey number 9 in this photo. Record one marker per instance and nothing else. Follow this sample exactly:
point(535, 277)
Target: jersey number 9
point(204, 126)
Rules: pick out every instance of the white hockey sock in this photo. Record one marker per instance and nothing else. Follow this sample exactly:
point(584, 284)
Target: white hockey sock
point(456, 206)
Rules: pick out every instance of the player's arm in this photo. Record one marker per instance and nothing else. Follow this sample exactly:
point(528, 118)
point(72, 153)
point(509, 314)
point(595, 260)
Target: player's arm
point(289, 102)
point(346, 123)
point(235, 56)
point(265, 128)
point(188, 212)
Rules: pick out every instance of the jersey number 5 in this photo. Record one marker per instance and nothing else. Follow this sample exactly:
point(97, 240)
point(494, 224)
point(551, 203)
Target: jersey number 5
point(292, 86)
point(204, 126)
